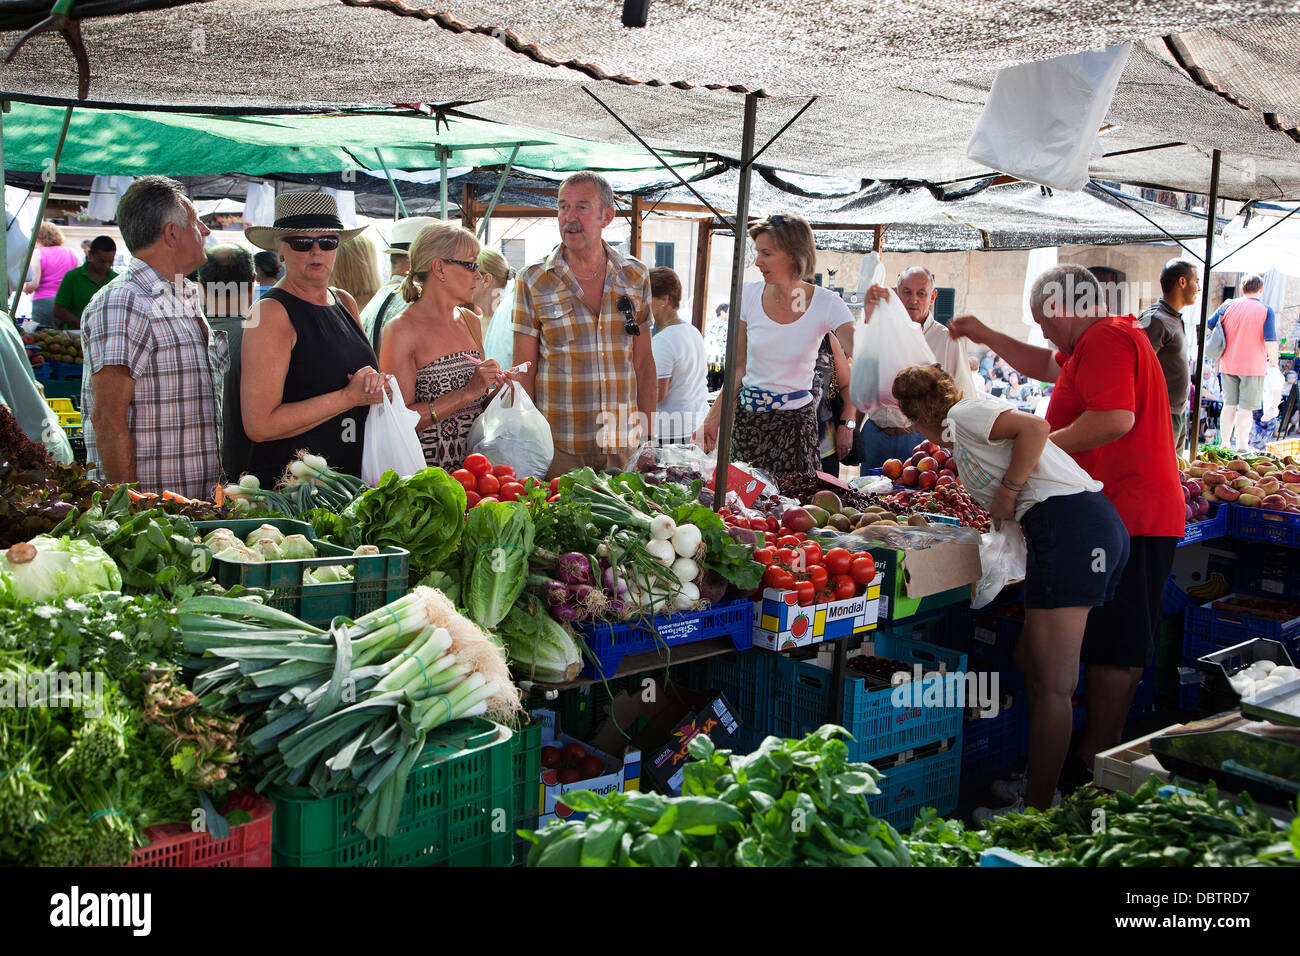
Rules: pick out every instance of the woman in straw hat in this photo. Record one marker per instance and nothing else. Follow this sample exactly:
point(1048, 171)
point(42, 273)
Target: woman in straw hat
point(308, 370)
point(434, 347)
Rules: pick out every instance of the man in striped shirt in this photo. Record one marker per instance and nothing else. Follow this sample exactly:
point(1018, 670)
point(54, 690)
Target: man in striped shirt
point(580, 317)
point(151, 396)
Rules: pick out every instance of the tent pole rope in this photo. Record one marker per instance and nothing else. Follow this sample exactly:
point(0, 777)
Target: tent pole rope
point(49, 175)
point(4, 232)
point(729, 383)
point(777, 135)
point(1260, 236)
point(397, 197)
point(1205, 306)
point(1120, 199)
point(496, 193)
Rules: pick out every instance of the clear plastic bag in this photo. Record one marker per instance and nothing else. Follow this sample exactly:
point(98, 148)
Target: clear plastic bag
point(391, 441)
point(882, 347)
point(1002, 560)
point(511, 431)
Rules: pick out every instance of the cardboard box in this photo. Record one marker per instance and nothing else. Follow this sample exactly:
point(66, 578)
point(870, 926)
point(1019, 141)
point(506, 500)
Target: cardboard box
point(682, 716)
point(781, 623)
point(933, 577)
point(622, 773)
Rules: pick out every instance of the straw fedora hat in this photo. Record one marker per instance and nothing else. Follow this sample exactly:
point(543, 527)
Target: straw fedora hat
point(299, 213)
point(404, 233)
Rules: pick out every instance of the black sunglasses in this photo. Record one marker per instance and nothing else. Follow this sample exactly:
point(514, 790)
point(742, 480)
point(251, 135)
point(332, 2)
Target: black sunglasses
point(778, 220)
point(469, 264)
point(304, 243)
point(630, 325)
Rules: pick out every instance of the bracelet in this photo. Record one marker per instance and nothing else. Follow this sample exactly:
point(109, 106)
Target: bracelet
point(433, 415)
point(1014, 485)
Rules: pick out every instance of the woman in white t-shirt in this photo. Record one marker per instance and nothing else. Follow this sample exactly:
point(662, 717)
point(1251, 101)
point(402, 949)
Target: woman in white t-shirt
point(783, 320)
point(679, 361)
point(1076, 544)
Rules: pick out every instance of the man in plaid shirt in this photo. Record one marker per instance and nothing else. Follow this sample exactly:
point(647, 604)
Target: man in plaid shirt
point(151, 397)
point(579, 319)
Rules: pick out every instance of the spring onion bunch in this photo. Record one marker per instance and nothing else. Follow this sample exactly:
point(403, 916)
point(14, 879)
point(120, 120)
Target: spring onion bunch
point(347, 708)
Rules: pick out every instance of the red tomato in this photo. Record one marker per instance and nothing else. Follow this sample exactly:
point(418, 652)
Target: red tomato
point(552, 499)
point(466, 478)
point(863, 569)
point(786, 541)
point(788, 557)
point(471, 499)
point(807, 592)
point(568, 775)
point(773, 524)
point(551, 757)
point(591, 766)
point(765, 556)
point(756, 524)
point(572, 753)
point(779, 578)
point(825, 594)
point(554, 486)
point(488, 498)
point(801, 536)
point(845, 587)
point(838, 560)
point(488, 485)
point(504, 472)
point(812, 551)
point(511, 491)
point(478, 465)
point(818, 575)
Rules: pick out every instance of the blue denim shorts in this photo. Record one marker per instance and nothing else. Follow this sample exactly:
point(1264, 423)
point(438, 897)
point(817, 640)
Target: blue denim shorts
point(1078, 547)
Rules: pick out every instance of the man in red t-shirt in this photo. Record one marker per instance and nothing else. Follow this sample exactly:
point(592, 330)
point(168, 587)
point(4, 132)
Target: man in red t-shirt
point(1110, 411)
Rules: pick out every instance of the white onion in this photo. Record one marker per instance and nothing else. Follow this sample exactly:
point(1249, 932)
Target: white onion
point(686, 570)
point(662, 551)
point(662, 528)
point(687, 540)
point(687, 596)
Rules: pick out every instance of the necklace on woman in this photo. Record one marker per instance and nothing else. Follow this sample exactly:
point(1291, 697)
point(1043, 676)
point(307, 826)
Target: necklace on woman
point(595, 275)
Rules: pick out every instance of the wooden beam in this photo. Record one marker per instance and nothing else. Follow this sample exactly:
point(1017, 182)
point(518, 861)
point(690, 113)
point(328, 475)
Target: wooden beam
point(878, 241)
point(634, 241)
point(703, 247)
point(467, 204)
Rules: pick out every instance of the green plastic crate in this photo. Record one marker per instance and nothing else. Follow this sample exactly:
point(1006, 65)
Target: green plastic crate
point(378, 579)
point(457, 810)
point(526, 761)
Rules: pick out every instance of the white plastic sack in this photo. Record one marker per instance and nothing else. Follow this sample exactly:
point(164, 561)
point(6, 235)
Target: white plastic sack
point(1002, 560)
point(1041, 119)
point(1274, 386)
point(391, 441)
point(499, 343)
point(511, 431)
point(890, 342)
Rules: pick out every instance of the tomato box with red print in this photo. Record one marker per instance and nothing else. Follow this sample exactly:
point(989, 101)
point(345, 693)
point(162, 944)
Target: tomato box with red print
point(781, 622)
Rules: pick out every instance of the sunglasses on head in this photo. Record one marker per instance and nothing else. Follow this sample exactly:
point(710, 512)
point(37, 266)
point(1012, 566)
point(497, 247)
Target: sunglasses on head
point(630, 325)
point(778, 220)
point(304, 243)
point(469, 264)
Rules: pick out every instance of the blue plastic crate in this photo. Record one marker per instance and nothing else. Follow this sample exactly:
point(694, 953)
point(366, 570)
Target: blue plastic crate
point(1217, 525)
point(42, 371)
point(907, 788)
point(610, 643)
point(990, 744)
point(746, 679)
point(1260, 524)
point(62, 371)
point(801, 701)
point(997, 856)
point(1206, 629)
point(1272, 571)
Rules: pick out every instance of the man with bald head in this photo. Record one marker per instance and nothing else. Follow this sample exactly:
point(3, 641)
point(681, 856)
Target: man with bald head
point(887, 433)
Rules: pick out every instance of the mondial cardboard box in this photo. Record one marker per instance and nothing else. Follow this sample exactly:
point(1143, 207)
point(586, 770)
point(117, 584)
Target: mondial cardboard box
point(781, 622)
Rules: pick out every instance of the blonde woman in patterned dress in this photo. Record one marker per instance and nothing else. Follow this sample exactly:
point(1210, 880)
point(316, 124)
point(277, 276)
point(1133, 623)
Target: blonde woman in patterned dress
point(434, 347)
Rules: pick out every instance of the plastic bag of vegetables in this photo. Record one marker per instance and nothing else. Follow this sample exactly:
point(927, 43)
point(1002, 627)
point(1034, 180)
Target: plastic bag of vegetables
point(46, 569)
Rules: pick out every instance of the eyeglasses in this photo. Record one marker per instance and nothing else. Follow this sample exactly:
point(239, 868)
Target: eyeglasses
point(304, 243)
point(630, 325)
point(778, 220)
point(469, 264)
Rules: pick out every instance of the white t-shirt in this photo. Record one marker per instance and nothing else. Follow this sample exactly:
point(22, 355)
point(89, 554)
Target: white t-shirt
point(982, 463)
point(679, 356)
point(780, 358)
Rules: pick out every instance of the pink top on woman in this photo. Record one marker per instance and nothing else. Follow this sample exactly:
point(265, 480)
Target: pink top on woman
point(56, 262)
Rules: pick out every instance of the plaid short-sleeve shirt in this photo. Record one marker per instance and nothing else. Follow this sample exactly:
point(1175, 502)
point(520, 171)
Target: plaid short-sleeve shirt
point(586, 381)
point(155, 329)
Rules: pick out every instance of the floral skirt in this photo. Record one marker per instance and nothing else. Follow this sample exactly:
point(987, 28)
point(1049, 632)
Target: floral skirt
point(780, 442)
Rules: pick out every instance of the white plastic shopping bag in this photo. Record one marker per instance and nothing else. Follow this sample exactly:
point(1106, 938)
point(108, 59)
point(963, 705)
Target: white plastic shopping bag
point(511, 431)
point(1041, 119)
point(391, 441)
point(1274, 386)
point(1002, 560)
point(888, 343)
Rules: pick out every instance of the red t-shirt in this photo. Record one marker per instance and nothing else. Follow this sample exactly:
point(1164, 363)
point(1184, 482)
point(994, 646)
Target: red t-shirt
point(1113, 366)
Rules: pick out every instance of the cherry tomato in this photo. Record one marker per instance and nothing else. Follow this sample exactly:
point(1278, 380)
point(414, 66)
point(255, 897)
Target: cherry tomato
point(845, 587)
point(838, 560)
point(863, 569)
point(489, 498)
point(788, 557)
point(807, 592)
point(466, 478)
point(478, 465)
point(812, 551)
point(773, 524)
point(554, 486)
point(825, 594)
point(779, 578)
point(504, 472)
point(471, 499)
point(787, 541)
point(818, 575)
point(765, 556)
point(511, 491)
point(488, 484)
point(757, 524)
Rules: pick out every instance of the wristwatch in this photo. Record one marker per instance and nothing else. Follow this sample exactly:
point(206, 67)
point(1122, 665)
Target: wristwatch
point(848, 423)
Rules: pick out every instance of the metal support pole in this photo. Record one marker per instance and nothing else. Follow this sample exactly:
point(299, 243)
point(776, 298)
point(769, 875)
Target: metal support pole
point(443, 153)
point(729, 383)
point(1205, 305)
point(397, 197)
point(634, 237)
point(496, 193)
point(4, 227)
point(48, 175)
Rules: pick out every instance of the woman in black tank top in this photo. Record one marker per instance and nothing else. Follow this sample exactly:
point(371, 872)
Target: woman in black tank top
point(308, 371)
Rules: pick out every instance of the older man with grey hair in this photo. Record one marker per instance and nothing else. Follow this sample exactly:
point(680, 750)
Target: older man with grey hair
point(887, 433)
point(1110, 411)
point(151, 396)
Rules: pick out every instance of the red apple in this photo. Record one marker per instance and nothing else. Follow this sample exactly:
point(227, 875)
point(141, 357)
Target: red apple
point(942, 456)
point(930, 447)
point(909, 477)
point(927, 480)
point(945, 478)
point(927, 464)
point(916, 457)
point(892, 469)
